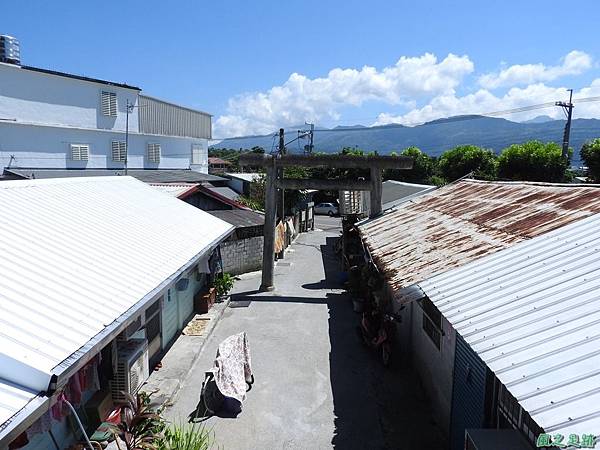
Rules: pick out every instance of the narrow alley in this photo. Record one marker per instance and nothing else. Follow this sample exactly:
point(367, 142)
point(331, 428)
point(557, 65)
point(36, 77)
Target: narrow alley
point(316, 386)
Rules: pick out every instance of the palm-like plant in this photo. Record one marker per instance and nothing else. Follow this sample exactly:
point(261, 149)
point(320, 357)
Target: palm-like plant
point(140, 427)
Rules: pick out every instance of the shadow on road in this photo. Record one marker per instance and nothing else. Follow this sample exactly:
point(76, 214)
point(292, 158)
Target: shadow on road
point(374, 407)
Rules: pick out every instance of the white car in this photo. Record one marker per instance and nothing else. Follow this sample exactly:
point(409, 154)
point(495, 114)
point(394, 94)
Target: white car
point(327, 208)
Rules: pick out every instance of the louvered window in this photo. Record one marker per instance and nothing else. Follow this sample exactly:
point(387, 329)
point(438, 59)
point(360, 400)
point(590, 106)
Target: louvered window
point(119, 151)
point(80, 152)
point(108, 102)
point(154, 152)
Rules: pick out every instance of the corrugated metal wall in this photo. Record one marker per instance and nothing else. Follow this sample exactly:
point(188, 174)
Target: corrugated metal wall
point(158, 117)
point(468, 393)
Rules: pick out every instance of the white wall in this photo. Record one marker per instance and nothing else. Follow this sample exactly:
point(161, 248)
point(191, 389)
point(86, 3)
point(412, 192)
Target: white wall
point(435, 367)
point(37, 146)
point(35, 97)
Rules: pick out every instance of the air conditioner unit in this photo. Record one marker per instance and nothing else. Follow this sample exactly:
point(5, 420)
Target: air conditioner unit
point(132, 368)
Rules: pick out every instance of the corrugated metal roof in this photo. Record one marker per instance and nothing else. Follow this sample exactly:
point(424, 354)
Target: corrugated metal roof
point(12, 399)
point(394, 192)
point(215, 160)
point(174, 189)
point(244, 176)
point(240, 218)
point(77, 256)
point(469, 219)
point(19, 409)
point(224, 191)
point(532, 313)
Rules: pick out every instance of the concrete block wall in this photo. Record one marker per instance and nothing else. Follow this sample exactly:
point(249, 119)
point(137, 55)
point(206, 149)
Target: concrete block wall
point(244, 255)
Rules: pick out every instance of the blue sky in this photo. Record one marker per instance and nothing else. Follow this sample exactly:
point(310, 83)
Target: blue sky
point(236, 59)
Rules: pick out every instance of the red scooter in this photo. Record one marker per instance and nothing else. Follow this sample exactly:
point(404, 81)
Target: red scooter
point(376, 331)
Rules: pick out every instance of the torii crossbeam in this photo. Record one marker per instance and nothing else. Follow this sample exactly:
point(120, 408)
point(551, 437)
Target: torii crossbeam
point(271, 163)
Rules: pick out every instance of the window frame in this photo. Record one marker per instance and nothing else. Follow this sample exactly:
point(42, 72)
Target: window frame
point(108, 103)
point(432, 322)
point(74, 146)
point(122, 150)
point(153, 157)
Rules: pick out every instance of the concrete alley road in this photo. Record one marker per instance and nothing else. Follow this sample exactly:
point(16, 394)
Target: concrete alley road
point(316, 386)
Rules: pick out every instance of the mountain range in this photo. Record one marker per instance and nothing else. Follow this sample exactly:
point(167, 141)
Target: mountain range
point(432, 137)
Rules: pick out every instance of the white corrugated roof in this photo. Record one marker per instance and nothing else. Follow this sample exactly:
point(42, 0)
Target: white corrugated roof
point(532, 313)
point(12, 400)
point(76, 254)
point(174, 189)
point(250, 176)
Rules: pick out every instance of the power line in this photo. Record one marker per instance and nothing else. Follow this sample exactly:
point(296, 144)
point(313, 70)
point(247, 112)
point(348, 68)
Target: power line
point(392, 125)
point(459, 118)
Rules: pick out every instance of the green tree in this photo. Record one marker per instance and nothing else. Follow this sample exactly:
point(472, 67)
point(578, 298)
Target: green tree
point(422, 171)
point(460, 161)
point(533, 161)
point(590, 154)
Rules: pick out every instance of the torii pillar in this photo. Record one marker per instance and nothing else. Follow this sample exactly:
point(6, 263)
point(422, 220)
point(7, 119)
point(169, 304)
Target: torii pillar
point(271, 163)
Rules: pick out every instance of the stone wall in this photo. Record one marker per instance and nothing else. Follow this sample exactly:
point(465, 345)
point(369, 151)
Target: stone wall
point(244, 255)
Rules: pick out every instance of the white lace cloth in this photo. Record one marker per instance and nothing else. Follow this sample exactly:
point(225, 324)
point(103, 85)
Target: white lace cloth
point(232, 367)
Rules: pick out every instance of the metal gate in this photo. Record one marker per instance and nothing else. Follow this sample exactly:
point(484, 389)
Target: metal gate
point(468, 393)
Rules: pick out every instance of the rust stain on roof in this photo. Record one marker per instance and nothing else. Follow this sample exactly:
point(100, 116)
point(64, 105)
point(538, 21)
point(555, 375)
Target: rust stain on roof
point(464, 221)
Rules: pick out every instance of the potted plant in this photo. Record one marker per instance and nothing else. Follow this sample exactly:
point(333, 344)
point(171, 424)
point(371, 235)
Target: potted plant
point(223, 284)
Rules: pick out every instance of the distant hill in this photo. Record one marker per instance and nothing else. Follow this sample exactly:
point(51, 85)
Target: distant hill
point(539, 119)
point(437, 136)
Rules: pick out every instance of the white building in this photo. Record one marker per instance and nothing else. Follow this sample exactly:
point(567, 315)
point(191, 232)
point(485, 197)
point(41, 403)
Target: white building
point(98, 276)
point(58, 120)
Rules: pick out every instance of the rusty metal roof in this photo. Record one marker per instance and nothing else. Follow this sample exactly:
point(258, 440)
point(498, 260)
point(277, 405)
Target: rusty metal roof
point(466, 220)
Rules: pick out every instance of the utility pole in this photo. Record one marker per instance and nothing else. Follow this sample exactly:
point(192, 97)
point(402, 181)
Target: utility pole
point(568, 110)
point(268, 264)
point(281, 191)
point(128, 108)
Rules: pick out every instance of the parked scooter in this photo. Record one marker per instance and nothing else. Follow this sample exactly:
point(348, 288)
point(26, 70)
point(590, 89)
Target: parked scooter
point(376, 330)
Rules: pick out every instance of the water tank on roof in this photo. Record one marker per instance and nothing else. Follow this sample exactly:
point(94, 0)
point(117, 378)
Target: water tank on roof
point(9, 50)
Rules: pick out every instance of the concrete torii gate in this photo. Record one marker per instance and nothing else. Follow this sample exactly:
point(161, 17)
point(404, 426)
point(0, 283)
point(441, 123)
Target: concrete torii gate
point(272, 163)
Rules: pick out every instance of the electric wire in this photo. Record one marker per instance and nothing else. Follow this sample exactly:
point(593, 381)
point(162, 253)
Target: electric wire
point(460, 118)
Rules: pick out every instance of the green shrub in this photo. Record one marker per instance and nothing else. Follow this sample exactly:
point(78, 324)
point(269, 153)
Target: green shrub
point(590, 154)
point(223, 283)
point(187, 437)
point(462, 160)
point(421, 172)
point(533, 161)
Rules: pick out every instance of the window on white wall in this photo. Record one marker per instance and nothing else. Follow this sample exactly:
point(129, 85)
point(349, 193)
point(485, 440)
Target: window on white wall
point(154, 152)
point(197, 154)
point(119, 151)
point(80, 152)
point(108, 103)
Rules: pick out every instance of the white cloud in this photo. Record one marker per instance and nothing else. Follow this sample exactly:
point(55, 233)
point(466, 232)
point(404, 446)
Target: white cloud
point(425, 87)
point(483, 101)
point(574, 63)
point(301, 98)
